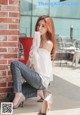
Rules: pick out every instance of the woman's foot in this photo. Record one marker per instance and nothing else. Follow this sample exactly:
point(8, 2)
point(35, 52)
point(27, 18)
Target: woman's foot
point(18, 100)
point(49, 101)
point(44, 108)
point(46, 105)
point(40, 93)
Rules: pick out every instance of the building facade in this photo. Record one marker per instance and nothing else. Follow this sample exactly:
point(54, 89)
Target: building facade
point(9, 37)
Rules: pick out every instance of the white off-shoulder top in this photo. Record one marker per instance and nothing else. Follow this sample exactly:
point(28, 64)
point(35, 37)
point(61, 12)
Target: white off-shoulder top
point(41, 60)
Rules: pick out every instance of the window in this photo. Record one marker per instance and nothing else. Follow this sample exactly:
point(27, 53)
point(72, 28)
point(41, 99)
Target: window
point(62, 0)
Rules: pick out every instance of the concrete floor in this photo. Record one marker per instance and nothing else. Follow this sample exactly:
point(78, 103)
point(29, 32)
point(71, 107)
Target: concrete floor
point(65, 89)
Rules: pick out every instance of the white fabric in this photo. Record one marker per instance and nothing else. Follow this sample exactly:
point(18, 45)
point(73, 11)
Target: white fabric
point(41, 60)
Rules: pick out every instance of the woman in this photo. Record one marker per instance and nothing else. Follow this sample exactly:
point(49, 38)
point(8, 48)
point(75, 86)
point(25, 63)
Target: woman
point(38, 71)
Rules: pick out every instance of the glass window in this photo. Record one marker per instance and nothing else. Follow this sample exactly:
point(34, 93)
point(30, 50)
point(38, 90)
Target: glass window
point(40, 7)
point(63, 11)
point(25, 7)
point(25, 22)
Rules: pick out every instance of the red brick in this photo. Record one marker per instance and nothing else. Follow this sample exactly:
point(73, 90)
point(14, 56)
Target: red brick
point(10, 84)
point(4, 2)
point(3, 61)
point(3, 14)
point(9, 79)
point(3, 67)
point(3, 73)
point(13, 50)
point(13, 38)
point(14, 2)
point(10, 8)
point(8, 44)
point(3, 84)
point(9, 61)
point(2, 90)
point(3, 38)
point(13, 26)
point(9, 32)
point(3, 26)
point(2, 79)
point(9, 20)
point(7, 56)
point(14, 14)
point(3, 50)
point(9, 73)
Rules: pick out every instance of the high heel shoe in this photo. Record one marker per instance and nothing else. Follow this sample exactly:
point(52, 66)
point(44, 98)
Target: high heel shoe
point(40, 100)
point(41, 94)
point(42, 114)
point(46, 105)
point(20, 102)
point(49, 101)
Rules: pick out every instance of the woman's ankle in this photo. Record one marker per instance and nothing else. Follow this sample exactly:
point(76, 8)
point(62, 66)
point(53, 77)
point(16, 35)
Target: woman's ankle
point(18, 94)
point(40, 93)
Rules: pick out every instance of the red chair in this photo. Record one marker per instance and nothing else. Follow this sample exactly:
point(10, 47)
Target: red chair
point(26, 43)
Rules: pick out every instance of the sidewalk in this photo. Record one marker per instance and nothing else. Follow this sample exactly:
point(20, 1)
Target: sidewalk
point(66, 93)
point(58, 112)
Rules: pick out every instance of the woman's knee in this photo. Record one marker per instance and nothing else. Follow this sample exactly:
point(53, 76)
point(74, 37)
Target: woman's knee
point(14, 63)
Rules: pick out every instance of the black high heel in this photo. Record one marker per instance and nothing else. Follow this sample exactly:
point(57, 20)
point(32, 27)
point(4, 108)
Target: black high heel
point(40, 100)
point(41, 113)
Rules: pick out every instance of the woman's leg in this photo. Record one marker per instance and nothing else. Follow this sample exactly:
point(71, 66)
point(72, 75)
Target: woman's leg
point(28, 91)
point(19, 70)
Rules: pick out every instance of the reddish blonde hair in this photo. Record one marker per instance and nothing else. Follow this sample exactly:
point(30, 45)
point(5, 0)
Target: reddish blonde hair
point(50, 26)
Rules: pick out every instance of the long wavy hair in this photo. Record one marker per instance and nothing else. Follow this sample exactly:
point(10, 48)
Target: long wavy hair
point(50, 27)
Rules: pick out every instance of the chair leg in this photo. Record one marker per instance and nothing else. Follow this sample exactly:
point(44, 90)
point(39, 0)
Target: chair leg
point(74, 58)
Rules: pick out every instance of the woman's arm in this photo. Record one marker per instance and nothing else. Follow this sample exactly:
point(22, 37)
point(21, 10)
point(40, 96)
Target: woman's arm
point(34, 49)
point(53, 52)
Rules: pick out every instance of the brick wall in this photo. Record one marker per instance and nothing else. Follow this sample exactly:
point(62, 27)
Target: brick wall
point(9, 34)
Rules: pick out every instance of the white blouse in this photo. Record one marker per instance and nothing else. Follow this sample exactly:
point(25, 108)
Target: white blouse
point(41, 60)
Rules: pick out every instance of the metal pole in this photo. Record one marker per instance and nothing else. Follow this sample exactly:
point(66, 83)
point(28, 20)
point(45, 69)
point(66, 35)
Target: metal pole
point(71, 32)
point(31, 19)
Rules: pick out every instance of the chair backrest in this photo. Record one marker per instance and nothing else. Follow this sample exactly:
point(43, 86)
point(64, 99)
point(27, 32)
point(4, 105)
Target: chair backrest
point(26, 43)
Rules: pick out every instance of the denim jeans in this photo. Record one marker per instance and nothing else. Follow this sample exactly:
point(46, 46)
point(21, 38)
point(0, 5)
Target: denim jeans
point(19, 70)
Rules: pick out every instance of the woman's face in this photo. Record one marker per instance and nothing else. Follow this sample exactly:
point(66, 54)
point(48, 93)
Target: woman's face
point(41, 27)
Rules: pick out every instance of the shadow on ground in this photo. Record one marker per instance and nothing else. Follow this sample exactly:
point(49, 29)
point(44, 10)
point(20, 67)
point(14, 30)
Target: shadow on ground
point(65, 94)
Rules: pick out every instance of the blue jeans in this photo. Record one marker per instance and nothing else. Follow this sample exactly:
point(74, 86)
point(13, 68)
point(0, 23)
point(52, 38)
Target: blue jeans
point(19, 70)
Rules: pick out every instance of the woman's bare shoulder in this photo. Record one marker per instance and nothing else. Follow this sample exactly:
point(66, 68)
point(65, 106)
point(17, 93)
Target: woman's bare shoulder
point(49, 42)
point(48, 45)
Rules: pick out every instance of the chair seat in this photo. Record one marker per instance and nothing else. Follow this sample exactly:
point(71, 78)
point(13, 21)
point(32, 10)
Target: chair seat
point(22, 60)
point(26, 43)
